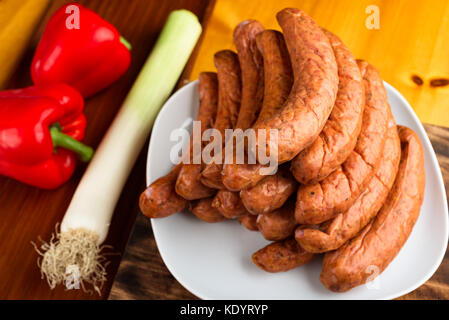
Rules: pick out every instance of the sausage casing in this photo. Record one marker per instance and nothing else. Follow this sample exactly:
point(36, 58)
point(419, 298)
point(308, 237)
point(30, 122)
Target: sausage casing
point(269, 194)
point(229, 98)
point(382, 239)
point(160, 200)
point(339, 135)
point(204, 211)
point(188, 184)
point(278, 224)
point(229, 204)
point(281, 256)
point(251, 63)
point(278, 79)
point(322, 201)
point(344, 226)
point(278, 74)
point(249, 221)
point(311, 99)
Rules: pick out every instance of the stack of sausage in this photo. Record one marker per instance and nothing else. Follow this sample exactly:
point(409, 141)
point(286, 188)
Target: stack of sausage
point(350, 182)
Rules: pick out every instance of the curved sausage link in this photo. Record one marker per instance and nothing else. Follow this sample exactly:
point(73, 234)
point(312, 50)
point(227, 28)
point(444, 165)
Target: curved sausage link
point(160, 200)
point(339, 135)
point(229, 90)
point(251, 64)
point(271, 193)
point(382, 239)
point(229, 97)
point(249, 221)
point(322, 201)
point(311, 99)
point(229, 204)
point(346, 225)
point(204, 211)
point(278, 79)
point(281, 256)
point(278, 224)
point(278, 74)
point(188, 184)
point(314, 90)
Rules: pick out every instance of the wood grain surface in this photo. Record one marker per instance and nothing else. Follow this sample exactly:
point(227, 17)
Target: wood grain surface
point(409, 41)
point(28, 213)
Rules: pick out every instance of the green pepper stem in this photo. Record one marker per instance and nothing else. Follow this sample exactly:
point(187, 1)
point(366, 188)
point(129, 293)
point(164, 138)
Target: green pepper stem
point(64, 141)
point(125, 43)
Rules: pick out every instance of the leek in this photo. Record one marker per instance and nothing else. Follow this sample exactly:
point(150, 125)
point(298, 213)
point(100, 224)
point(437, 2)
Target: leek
point(85, 225)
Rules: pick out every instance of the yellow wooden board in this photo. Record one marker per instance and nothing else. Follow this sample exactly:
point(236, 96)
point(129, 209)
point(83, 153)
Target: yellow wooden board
point(412, 39)
point(18, 20)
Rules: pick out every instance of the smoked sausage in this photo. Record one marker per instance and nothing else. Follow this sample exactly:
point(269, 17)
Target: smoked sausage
point(312, 97)
point(346, 225)
point(278, 224)
point(281, 256)
point(382, 239)
point(160, 200)
point(229, 97)
point(270, 193)
point(339, 135)
point(229, 204)
point(322, 201)
point(278, 79)
point(188, 184)
point(249, 221)
point(204, 211)
point(251, 64)
point(278, 74)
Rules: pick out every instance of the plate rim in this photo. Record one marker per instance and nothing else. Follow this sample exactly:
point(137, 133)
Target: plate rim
point(425, 141)
point(442, 188)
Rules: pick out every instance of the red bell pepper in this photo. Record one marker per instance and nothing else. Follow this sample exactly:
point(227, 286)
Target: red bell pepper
point(89, 58)
point(39, 126)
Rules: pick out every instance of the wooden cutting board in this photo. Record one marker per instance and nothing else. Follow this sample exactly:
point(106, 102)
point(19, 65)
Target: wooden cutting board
point(28, 213)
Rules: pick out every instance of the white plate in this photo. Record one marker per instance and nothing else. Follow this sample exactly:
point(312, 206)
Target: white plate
point(213, 261)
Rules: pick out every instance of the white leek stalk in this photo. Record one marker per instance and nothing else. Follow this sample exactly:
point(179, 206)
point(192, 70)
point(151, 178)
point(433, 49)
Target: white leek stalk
point(75, 251)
